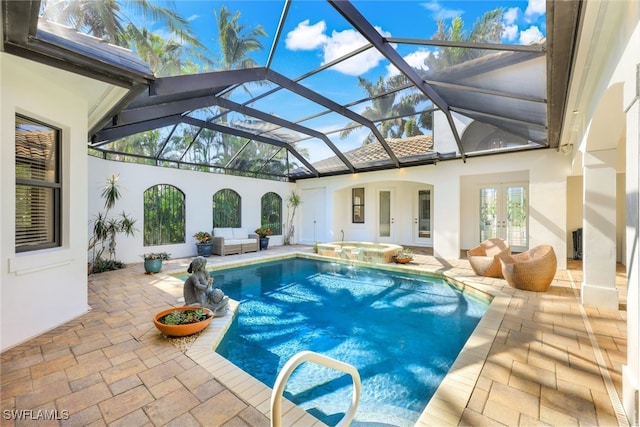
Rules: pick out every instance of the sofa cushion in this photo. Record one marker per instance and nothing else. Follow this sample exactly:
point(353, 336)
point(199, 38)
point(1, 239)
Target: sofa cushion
point(231, 242)
point(224, 232)
point(240, 233)
point(246, 241)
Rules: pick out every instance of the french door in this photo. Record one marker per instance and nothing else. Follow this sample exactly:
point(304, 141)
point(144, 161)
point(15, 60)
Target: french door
point(386, 219)
point(504, 214)
point(422, 220)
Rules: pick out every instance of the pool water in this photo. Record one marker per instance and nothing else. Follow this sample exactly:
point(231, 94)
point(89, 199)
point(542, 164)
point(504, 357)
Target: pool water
point(402, 332)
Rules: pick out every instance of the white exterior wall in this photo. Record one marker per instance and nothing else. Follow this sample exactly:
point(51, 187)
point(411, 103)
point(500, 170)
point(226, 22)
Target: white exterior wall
point(628, 72)
point(455, 199)
point(42, 289)
point(198, 188)
point(605, 93)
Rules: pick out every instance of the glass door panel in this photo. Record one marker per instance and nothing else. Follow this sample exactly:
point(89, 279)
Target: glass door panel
point(385, 218)
point(422, 230)
point(488, 213)
point(516, 217)
point(504, 214)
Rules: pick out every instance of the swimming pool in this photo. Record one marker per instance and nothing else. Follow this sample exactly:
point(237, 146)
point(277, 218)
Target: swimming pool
point(387, 324)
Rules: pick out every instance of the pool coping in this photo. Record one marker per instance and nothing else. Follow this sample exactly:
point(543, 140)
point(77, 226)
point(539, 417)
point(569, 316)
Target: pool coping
point(445, 407)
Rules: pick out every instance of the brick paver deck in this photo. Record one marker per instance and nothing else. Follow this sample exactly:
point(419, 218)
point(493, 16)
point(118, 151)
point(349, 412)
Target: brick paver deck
point(542, 364)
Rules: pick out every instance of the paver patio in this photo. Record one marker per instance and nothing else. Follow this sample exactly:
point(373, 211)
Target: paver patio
point(545, 364)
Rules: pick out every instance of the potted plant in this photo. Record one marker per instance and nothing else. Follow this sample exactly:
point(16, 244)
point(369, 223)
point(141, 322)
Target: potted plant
point(204, 243)
point(182, 321)
point(153, 261)
point(263, 233)
point(106, 227)
point(404, 256)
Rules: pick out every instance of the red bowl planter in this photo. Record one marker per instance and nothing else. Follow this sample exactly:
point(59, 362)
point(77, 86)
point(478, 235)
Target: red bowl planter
point(182, 330)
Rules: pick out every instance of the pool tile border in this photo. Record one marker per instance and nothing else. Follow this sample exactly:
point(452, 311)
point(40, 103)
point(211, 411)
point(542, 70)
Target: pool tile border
point(445, 407)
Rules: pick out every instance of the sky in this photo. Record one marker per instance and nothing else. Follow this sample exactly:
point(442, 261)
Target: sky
point(313, 26)
point(315, 34)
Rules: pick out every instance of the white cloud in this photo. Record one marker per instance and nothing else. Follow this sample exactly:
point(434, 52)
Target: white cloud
point(511, 15)
point(440, 12)
point(531, 34)
point(415, 59)
point(510, 32)
point(536, 7)
point(343, 42)
point(193, 18)
point(306, 37)
point(340, 43)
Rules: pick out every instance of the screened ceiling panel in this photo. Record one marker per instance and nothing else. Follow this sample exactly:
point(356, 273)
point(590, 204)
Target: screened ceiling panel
point(244, 93)
point(147, 144)
point(344, 75)
point(287, 105)
point(327, 122)
point(263, 128)
point(300, 89)
point(524, 110)
point(386, 102)
point(258, 157)
point(536, 136)
point(176, 143)
point(210, 113)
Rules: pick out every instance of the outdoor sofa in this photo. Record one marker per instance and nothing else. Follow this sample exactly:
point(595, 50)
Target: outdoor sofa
point(227, 241)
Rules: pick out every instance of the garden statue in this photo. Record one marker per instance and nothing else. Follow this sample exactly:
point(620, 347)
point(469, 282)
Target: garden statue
point(199, 290)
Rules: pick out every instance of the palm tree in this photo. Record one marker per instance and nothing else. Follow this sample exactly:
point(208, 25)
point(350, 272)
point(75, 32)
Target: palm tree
point(106, 20)
point(487, 29)
point(236, 40)
point(165, 57)
point(386, 106)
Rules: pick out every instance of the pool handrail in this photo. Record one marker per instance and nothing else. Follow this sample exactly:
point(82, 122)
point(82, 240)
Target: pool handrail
point(310, 356)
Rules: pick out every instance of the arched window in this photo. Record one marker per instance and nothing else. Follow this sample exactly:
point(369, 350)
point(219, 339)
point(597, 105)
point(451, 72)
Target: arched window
point(226, 208)
point(271, 212)
point(164, 215)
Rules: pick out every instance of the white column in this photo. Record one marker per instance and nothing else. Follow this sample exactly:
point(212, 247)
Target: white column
point(446, 217)
point(599, 230)
point(631, 370)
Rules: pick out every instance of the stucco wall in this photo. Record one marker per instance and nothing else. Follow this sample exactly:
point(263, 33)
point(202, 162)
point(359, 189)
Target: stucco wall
point(454, 186)
point(42, 289)
point(628, 71)
point(198, 188)
point(609, 111)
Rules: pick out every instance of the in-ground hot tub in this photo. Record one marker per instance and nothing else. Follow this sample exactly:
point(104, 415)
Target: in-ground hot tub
point(360, 251)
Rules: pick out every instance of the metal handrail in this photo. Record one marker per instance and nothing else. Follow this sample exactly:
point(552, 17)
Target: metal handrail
point(310, 356)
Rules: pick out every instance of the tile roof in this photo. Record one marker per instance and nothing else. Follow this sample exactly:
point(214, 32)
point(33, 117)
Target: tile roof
point(406, 149)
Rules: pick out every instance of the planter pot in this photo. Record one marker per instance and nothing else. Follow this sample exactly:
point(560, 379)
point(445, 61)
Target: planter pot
point(204, 249)
point(264, 243)
point(402, 260)
point(182, 330)
point(152, 265)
